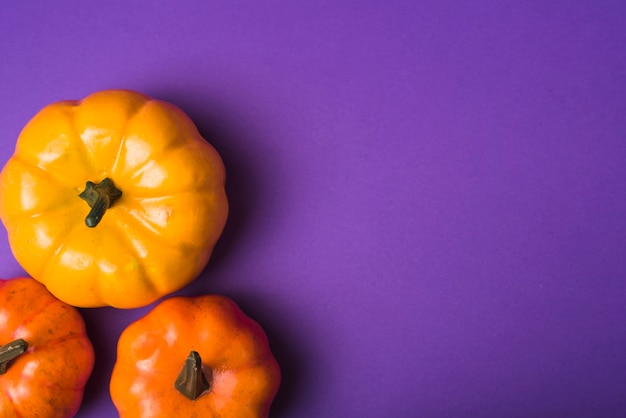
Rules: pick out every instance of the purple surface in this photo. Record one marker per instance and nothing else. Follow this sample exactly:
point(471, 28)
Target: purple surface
point(428, 197)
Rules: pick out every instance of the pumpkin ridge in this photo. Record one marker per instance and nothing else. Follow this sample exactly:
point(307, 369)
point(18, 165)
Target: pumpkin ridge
point(129, 118)
point(81, 149)
point(39, 169)
point(52, 260)
point(50, 254)
point(121, 233)
point(60, 340)
point(18, 218)
point(137, 221)
point(12, 403)
point(172, 193)
point(139, 169)
point(183, 140)
point(117, 156)
point(41, 309)
point(58, 245)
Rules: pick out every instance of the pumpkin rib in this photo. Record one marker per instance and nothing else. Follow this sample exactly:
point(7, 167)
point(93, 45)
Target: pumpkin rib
point(122, 234)
point(260, 365)
point(53, 345)
point(49, 213)
point(41, 310)
point(141, 196)
point(137, 221)
point(182, 140)
point(62, 339)
point(139, 169)
point(127, 122)
point(140, 193)
point(54, 257)
point(145, 225)
point(53, 250)
point(117, 156)
point(58, 250)
point(81, 149)
point(16, 212)
point(85, 153)
point(24, 146)
point(78, 392)
point(34, 313)
point(41, 170)
point(8, 396)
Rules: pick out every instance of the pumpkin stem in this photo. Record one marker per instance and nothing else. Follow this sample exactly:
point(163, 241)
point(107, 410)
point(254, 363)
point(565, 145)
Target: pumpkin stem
point(192, 381)
point(10, 352)
point(99, 197)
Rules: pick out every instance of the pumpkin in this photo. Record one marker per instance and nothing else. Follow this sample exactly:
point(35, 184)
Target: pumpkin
point(114, 200)
point(45, 355)
point(194, 357)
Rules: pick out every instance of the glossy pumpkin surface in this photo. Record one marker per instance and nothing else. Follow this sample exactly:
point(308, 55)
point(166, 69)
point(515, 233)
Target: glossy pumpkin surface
point(113, 200)
point(46, 357)
point(194, 357)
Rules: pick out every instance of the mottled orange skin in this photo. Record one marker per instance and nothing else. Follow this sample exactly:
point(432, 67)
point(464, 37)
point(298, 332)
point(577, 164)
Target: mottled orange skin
point(151, 353)
point(153, 240)
point(49, 378)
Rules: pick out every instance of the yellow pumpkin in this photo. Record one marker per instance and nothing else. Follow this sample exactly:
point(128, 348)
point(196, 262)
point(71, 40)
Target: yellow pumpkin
point(113, 200)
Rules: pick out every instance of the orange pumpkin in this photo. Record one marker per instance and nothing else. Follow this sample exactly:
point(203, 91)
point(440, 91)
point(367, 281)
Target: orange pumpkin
point(46, 356)
point(194, 357)
point(114, 200)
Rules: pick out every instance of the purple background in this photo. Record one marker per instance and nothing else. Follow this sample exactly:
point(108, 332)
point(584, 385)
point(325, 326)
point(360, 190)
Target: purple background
point(428, 197)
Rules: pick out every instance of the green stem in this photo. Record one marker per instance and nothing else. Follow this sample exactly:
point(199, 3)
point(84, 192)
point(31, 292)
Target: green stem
point(99, 197)
point(10, 352)
point(192, 381)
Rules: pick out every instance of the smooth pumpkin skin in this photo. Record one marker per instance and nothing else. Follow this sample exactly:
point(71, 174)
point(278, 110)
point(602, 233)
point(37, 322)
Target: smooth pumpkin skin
point(153, 240)
point(48, 380)
point(151, 353)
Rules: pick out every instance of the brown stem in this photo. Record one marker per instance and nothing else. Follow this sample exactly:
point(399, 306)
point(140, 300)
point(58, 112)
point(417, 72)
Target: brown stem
point(99, 197)
point(192, 381)
point(10, 352)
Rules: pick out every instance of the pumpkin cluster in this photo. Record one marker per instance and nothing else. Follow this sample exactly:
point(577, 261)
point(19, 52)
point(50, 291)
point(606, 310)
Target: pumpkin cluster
point(117, 200)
